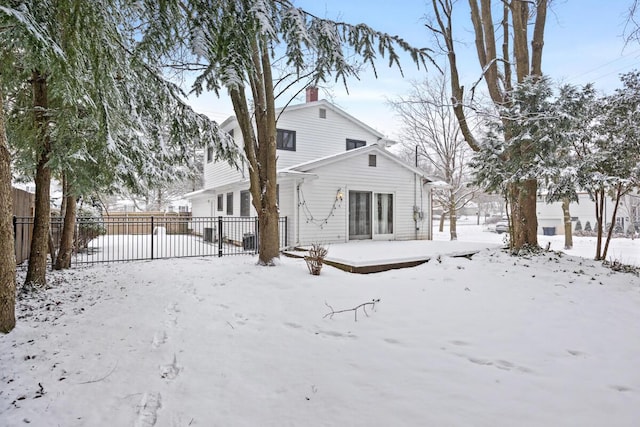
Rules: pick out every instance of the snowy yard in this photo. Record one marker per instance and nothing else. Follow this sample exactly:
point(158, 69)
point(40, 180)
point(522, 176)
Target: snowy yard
point(492, 341)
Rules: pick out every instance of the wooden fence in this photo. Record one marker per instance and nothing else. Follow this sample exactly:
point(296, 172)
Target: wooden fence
point(23, 206)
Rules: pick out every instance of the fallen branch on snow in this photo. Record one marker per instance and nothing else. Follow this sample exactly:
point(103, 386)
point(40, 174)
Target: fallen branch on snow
point(364, 305)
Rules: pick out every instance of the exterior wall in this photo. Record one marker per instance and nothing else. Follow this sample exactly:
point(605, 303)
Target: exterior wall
point(317, 137)
point(201, 207)
point(550, 214)
point(319, 220)
point(220, 173)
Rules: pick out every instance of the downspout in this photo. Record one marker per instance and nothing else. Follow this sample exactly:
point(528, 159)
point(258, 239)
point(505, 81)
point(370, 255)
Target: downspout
point(296, 200)
point(415, 200)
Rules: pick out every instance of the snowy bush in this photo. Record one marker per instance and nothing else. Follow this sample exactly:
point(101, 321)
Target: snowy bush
point(587, 227)
point(578, 226)
point(89, 227)
point(315, 259)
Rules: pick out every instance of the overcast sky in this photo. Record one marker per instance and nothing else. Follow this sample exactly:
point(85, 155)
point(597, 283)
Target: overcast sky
point(583, 43)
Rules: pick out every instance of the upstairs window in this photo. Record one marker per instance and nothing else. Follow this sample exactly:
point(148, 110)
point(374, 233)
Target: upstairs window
point(209, 154)
point(323, 113)
point(372, 160)
point(286, 140)
point(355, 143)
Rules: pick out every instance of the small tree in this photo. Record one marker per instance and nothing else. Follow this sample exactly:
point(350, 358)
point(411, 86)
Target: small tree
point(430, 127)
point(578, 227)
point(587, 227)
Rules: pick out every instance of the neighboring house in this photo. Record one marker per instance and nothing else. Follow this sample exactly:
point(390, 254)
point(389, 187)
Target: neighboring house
point(550, 217)
point(336, 181)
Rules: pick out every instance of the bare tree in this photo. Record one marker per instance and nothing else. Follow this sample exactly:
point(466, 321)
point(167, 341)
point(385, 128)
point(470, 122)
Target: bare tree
point(431, 129)
point(503, 67)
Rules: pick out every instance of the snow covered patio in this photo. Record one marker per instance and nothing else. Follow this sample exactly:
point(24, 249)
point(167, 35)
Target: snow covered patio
point(368, 256)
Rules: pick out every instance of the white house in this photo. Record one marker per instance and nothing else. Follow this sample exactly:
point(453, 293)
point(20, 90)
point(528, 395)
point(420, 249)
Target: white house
point(550, 217)
point(336, 181)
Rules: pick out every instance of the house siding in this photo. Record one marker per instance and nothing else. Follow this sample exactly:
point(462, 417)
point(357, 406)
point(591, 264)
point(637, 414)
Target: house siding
point(320, 222)
point(217, 174)
point(317, 137)
point(550, 214)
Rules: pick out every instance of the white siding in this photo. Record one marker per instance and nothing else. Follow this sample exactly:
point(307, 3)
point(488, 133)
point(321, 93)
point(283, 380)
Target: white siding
point(317, 137)
point(319, 221)
point(201, 206)
point(220, 173)
point(550, 214)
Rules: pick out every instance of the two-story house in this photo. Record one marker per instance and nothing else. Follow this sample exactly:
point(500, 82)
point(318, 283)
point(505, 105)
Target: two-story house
point(336, 180)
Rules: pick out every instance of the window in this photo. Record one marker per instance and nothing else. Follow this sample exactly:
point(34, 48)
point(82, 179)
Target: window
point(229, 203)
point(220, 202)
point(209, 154)
point(354, 143)
point(286, 139)
point(384, 213)
point(245, 203)
point(372, 160)
point(323, 113)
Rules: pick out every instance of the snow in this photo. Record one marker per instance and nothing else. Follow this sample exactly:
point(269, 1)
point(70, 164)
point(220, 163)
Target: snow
point(495, 340)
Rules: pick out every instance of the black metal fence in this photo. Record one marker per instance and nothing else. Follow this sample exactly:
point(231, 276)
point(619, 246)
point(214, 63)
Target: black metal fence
point(119, 239)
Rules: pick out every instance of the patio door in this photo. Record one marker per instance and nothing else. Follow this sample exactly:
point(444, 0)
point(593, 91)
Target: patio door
point(359, 215)
point(383, 215)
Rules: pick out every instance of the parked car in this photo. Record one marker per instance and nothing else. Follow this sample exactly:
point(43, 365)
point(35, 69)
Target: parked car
point(502, 226)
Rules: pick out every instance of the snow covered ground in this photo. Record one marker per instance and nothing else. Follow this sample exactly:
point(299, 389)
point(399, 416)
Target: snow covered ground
point(491, 341)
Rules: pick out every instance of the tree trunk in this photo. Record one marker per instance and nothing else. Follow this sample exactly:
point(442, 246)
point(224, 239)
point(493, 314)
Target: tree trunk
point(613, 221)
point(37, 270)
point(65, 251)
point(260, 149)
point(599, 199)
point(441, 225)
point(7, 255)
point(452, 217)
point(568, 233)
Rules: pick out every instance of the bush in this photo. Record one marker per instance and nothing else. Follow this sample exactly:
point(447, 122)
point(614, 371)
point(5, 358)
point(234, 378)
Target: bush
point(88, 228)
point(578, 226)
point(315, 259)
point(587, 227)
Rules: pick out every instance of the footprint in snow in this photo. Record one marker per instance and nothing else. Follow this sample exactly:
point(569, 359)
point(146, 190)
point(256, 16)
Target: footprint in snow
point(159, 338)
point(148, 410)
point(171, 370)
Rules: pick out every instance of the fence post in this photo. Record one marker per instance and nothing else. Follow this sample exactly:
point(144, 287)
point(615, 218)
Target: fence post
point(257, 228)
point(15, 229)
point(286, 237)
point(151, 236)
point(220, 236)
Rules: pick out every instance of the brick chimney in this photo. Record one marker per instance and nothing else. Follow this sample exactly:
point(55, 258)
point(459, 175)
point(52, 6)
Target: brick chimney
point(312, 94)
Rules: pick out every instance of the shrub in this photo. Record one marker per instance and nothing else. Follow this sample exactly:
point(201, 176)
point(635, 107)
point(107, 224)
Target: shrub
point(587, 227)
point(578, 226)
point(89, 227)
point(315, 259)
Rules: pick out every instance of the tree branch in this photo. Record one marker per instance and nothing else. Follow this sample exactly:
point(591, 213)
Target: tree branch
point(364, 305)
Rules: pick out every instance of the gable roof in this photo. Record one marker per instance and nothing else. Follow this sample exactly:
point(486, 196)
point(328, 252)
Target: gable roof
point(315, 104)
point(367, 149)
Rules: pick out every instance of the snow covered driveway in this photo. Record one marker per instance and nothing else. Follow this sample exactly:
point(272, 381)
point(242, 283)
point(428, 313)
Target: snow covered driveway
point(492, 341)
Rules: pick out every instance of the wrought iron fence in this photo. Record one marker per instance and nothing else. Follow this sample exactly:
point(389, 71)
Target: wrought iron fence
point(119, 239)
